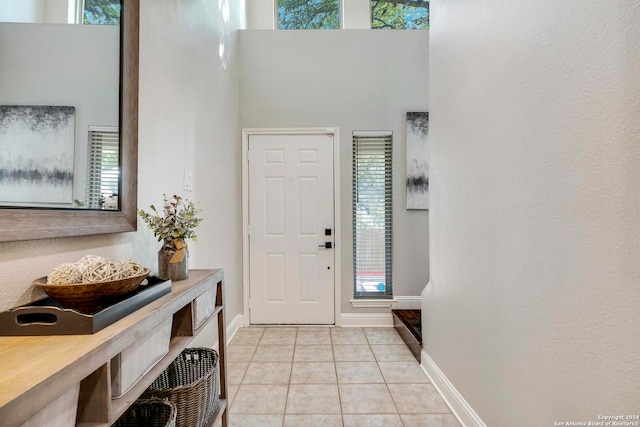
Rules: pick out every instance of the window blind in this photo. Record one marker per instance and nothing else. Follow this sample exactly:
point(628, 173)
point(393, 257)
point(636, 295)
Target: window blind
point(103, 170)
point(372, 215)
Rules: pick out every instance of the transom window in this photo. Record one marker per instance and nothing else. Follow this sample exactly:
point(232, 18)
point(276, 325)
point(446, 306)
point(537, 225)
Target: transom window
point(400, 14)
point(325, 14)
point(101, 12)
point(308, 14)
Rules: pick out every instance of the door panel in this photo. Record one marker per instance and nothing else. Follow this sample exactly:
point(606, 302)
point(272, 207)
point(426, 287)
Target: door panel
point(291, 273)
point(274, 203)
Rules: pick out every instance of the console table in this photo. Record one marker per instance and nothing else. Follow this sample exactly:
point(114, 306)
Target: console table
point(35, 370)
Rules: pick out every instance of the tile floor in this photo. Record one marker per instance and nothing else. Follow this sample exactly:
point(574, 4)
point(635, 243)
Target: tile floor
point(325, 377)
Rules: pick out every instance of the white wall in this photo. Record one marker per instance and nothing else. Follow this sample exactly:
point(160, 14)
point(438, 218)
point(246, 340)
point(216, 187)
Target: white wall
point(188, 119)
point(353, 80)
point(355, 14)
point(22, 11)
point(531, 311)
point(261, 14)
point(64, 65)
point(49, 11)
point(57, 11)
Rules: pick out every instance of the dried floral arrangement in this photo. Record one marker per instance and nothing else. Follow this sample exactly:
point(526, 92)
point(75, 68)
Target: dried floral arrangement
point(179, 220)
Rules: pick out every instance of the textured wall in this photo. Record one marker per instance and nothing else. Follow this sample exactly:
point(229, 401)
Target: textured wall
point(353, 80)
point(188, 120)
point(535, 211)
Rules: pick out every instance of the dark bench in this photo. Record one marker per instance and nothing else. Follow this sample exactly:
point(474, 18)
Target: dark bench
point(408, 323)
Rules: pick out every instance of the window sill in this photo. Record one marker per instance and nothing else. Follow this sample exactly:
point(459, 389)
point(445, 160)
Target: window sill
point(373, 303)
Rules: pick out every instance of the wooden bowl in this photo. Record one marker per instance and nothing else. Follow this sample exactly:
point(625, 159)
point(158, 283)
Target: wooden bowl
point(91, 297)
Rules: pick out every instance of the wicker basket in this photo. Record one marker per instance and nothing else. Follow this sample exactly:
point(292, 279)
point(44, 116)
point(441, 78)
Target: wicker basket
point(91, 297)
point(191, 384)
point(148, 413)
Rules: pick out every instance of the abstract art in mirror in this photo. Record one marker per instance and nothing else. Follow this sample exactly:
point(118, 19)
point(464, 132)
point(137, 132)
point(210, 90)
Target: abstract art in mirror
point(417, 161)
point(36, 154)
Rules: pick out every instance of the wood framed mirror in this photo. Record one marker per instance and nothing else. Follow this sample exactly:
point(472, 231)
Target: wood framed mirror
point(25, 223)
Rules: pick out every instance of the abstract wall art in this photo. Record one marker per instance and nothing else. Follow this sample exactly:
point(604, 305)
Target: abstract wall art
point(417, 161)
point(36, 154)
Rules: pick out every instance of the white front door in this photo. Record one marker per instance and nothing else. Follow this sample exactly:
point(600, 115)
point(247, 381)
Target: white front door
point(291, 218)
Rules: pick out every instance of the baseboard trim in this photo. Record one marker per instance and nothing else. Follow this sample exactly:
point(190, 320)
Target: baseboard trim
point(231, 330)
point(347, 320)
point(360, 320)
point(233, 326)
point(458, 405)
point(407, 303)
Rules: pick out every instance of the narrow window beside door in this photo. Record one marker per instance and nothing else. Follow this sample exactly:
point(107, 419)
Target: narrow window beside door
point(372, 215)
point(103, 168)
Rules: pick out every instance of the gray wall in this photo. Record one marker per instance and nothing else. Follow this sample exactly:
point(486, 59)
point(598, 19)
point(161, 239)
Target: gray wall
point(353, 80)
point(531, 311)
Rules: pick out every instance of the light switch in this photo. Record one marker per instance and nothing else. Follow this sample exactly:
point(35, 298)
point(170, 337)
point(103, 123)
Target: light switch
point(188, 180)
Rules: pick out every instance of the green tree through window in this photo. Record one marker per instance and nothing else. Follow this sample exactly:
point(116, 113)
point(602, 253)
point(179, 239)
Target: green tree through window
point(101, 12)
point(324, 14)
point(400, 14)
point(308, 14)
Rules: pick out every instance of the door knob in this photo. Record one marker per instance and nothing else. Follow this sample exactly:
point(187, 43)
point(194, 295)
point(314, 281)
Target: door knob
point(326, 245)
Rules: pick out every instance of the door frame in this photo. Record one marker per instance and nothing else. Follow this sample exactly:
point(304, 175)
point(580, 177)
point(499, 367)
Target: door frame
point(246, 132)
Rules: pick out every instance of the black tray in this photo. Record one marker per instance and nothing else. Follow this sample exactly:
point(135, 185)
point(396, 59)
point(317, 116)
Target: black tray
point(48, 317)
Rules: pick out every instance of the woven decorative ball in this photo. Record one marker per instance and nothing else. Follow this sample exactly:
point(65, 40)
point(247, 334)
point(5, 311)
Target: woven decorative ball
point(87, 260)
point(101, 270)
point(91, 297)
point(130, 267)
point(65, 273)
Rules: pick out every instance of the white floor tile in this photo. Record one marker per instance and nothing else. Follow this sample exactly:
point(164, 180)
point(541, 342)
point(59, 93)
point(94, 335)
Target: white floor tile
point(329, 377)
